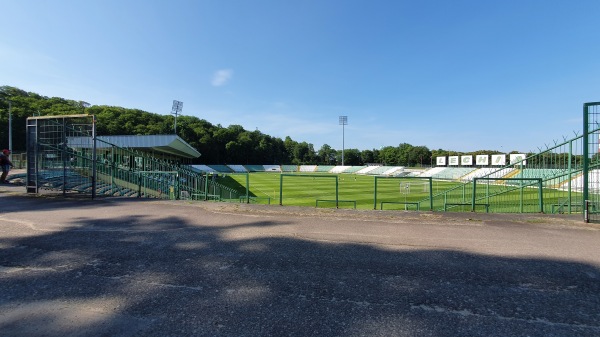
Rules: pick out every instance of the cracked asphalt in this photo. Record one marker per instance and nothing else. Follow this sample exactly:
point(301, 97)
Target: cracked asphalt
point(132, 267)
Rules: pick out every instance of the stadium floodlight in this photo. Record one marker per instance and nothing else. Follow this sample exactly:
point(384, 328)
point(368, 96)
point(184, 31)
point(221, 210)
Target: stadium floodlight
point(343, 122)
point(175, 110)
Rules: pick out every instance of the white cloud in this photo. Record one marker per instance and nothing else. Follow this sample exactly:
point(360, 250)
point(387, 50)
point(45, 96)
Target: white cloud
point(221, 77)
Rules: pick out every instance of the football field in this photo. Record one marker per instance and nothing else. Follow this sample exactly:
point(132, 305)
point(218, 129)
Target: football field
point(305, 189)
point(398, 193)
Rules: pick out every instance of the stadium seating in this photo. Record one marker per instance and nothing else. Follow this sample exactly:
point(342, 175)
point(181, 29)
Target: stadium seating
point(432, 171)
point(550, 177)
point(353, 169)
point(238, 168)
point(203, 168)
point(392, 171)
point(577, 182)
point(221, 168)
point(289, 168)
point(447, 173)
point(453, 173)
point(308, 168)
point(488, 172)
point(367, 169)
point(272, 168)
point(324, 168)
point(382, 170)
point(339, 169)
point(255, 168)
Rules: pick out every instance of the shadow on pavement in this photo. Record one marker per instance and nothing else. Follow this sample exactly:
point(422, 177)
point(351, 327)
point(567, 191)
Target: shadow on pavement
point(160, 275)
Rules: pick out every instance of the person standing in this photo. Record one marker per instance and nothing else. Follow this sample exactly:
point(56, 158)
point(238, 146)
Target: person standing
point(6, 165)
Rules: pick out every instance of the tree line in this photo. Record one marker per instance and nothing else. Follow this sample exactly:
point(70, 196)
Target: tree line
point(217, 144)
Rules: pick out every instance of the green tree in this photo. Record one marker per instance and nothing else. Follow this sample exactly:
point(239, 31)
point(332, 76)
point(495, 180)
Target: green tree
point(352, 157)
point(367, 156)
point(419, 156)
point(326, 155)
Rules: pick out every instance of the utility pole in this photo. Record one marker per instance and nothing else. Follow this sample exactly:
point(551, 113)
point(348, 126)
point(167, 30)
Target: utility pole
point(10, 127)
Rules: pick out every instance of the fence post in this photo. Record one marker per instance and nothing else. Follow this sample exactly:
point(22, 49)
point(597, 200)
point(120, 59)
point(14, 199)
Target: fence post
point(206, 186)
point(474, 190)
point(375, 195)
point(337, 178)
point(139, 185)
point(431, 194)
point(247, 187)
point(281, 190)
point(541, 196)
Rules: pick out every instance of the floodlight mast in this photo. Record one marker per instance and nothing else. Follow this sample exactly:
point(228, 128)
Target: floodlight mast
point(343, 122)
point(176, 110)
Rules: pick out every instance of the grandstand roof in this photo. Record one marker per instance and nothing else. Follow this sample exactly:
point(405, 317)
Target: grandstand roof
point(167, 144)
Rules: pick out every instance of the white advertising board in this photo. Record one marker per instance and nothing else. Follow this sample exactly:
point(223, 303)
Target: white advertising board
point(518, 159)
point(499, 159)
point(466, 160)
point(482, 160)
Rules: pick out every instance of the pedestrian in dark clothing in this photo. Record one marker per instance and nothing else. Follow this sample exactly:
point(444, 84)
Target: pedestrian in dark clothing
point(6, 164)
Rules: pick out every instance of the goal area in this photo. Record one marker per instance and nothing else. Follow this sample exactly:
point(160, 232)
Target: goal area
point(309, 189)
point(408, 193)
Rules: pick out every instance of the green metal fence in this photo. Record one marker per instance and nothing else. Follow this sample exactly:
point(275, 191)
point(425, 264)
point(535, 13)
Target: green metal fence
point(550, 181)
point(591, 164)
point(564, 177)
point(64, 156)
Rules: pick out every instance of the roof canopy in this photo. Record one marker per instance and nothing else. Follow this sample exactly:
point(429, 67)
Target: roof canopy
point(166, 144)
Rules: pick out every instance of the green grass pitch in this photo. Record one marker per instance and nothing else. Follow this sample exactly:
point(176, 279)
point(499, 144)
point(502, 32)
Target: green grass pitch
point(304, 190)
point(397, 193)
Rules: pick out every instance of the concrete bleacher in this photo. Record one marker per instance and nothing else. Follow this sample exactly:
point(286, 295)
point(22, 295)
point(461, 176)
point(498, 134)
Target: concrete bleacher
point(488, 172)
point(308, 168)
point(550, 177)
point(382, 170)
point(255, 168)
point(203, 168)
point(238, 168)
point(453, 173)
point(339, 169)
point(393, 170)
point(366, 169)
point(502, 173)
point(272, 168)
point(432, 171)
point(324, 168)
point(405, 174)
point(289, 168)
point(447, 173)
point(353, 169)
point(577, 182)
point(377, 170)
point(221, 168)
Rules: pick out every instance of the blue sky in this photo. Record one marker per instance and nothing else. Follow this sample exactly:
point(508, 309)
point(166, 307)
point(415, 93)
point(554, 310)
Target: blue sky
point(460, 75)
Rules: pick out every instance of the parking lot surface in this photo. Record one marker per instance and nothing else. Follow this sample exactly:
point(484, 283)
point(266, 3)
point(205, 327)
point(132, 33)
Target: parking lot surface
point(133, 267)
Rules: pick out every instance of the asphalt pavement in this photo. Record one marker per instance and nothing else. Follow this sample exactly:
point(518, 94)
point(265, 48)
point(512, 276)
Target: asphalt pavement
point(137, 267)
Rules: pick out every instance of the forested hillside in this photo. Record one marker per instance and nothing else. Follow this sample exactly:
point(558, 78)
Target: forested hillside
point(218, 144)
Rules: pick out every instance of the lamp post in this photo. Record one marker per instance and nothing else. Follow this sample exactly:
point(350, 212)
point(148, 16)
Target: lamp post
point(10, 128)
point(343, 122)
